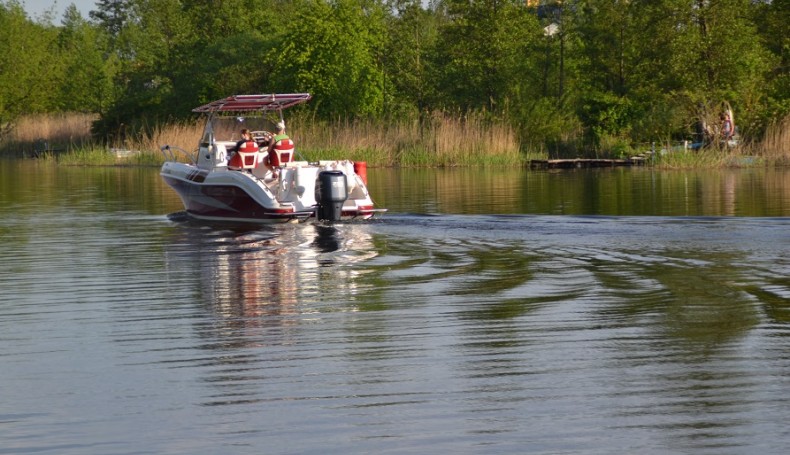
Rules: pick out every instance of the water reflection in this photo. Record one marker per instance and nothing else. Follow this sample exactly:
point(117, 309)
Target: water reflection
point(419, 333)
point(666, 305)
point(327, 240)
point(612, 191)
point(261, 284)
point(246, 273)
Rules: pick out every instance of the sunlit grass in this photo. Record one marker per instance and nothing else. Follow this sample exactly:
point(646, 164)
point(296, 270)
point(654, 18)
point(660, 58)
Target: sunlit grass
point(709, 157)
point(687, 159)
point(776, 142)
point(83, 156)
point(59, 131)
point(182, 134)
point(437, 140)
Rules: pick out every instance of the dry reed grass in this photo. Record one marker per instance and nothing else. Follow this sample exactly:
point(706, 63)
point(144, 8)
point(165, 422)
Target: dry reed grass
point(184, 134)
point(64, 131)
point(471, 140)
point(441, 140)
point(776, 142)
point(378, 142)
point(691, 159)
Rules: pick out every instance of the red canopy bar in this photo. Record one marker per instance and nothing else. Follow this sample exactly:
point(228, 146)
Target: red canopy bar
point(248, 103)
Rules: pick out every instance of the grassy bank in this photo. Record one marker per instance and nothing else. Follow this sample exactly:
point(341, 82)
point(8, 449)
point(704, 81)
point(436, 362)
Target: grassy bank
point(441, 140)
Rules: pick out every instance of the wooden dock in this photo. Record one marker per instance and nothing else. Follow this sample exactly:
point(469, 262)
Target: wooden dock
point(586, 163)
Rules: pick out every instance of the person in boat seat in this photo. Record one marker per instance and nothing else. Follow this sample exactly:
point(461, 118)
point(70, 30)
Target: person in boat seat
point(281, 148)
point(246, 137)
point(246, 144)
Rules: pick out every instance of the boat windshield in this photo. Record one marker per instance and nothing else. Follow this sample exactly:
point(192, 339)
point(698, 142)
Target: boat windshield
point(229, 128)
point(257, 113)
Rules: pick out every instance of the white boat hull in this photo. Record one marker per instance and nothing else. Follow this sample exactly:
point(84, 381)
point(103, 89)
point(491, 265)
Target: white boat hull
point(256, 196)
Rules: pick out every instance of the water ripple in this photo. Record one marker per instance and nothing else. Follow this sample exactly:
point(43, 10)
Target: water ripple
point(416, 333)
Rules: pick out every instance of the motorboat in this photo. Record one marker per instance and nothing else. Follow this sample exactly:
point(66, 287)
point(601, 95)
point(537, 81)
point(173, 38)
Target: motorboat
point(262, 179)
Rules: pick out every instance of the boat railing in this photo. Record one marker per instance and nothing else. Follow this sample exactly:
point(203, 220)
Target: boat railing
point(172, 153)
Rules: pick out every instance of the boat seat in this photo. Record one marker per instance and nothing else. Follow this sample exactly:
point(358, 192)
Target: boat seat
point(245, 158)
point(282, 152)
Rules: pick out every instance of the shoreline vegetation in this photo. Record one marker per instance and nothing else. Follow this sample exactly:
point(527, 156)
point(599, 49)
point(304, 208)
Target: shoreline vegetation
point(410, 82)
point(438, 141)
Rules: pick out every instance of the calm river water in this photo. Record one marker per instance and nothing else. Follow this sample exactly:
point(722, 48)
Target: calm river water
point(490, 311)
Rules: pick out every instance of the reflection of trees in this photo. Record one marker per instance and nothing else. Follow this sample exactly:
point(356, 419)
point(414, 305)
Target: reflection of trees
point(91, 189)
point(681, 314)
point(540, 320)
point(775, 295)
point(618, 191)
point(695, 294)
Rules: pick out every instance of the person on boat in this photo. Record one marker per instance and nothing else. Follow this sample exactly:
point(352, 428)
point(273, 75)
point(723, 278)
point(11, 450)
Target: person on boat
point(246, 136)
point(246, 144)
point(281, 148)
point(279, 136)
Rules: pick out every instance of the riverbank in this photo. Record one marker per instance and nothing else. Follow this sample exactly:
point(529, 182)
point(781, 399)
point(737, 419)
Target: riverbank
point(441, 140)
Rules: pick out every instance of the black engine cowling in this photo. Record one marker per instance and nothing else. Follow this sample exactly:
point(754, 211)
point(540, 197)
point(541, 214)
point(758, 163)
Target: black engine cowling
point(331, 191)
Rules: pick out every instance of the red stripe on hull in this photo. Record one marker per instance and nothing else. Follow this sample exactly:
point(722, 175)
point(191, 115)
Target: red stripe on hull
point(224, 201)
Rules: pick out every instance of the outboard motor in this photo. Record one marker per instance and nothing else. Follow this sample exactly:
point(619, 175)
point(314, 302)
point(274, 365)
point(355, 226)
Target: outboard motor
point(330, 193)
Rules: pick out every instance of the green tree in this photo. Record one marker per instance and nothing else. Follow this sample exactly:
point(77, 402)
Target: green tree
point(487, 53)
point(411, 46)
point(112, 15)
point(605, 52)
point(333, 50)
point(701, 52)
point(146, 45)
point(88, 68)
point(773, 24)
point(242, 57)
point(26, 81)
point(607, 36)
point(183, 53)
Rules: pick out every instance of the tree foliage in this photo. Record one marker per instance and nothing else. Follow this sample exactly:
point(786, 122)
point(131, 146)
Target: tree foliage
point(86, 82)
point(26, 75)
point(577, 70)
point(333, 49)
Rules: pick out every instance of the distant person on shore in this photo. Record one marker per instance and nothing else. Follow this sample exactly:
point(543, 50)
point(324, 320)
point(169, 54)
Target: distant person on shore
point(727, 130)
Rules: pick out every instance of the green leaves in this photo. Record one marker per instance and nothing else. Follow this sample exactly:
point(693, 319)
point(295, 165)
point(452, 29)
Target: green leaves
point(26, 67)
point(486, 53)
point(333, 50)
point(632, 69)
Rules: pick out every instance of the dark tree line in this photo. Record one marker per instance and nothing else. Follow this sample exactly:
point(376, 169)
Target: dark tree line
point(583, 71)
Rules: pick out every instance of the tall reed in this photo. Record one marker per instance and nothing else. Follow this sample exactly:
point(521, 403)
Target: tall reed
point(711, 156)
point(182, 134)
point(473, 140)
point(776, 142)
point(356, 139)
point(51, 132)
point(439, 140)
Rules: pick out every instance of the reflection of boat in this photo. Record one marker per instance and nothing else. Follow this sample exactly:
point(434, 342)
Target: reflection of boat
point(249, 272)
point(259, 183)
